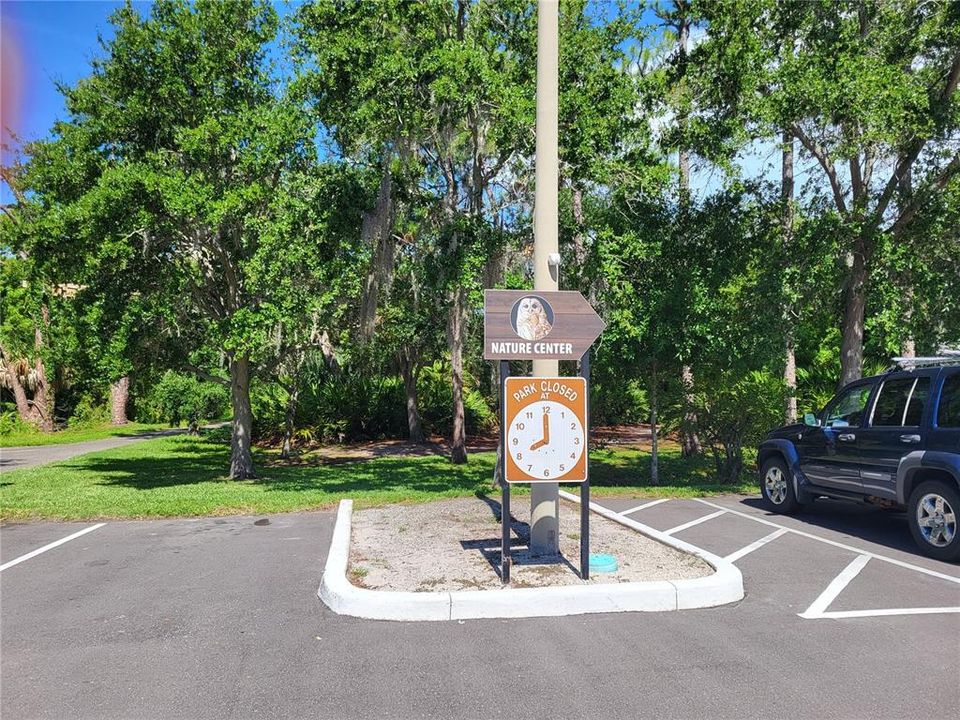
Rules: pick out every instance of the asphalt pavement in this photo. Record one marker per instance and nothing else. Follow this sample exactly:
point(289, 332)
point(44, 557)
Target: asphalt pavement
point(218, 618)
point(15, 458)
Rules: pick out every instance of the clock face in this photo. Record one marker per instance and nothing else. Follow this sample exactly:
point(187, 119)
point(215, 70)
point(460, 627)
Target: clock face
point(546, 440)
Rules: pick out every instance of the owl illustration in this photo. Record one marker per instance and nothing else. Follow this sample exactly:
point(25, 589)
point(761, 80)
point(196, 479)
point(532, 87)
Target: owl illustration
point(532, 322)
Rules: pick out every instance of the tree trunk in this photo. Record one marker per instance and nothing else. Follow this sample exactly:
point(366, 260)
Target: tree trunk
point(414, 423)
point(329, 355)
point(376, 232)
point(24, 408)
point(289, 420)
point(854, 304)
point(43, 394)
point(654, 448)
point(786, 199)
point(908, 346)
point(119, 394)
point(579, 239)
point(458, 445)
point(689, 440)
point(790, 378)
point(43, 398)
point(241, 455)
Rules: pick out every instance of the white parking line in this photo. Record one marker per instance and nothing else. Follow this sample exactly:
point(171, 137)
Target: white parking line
point(645, 505)
point(835, 587)
point(839, 614)
point(834, 543)
point(818, 609)
point(61, 541)
point(690, 524)
point(734, 556)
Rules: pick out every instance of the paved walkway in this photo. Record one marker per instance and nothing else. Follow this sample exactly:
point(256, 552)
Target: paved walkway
point(15, 458)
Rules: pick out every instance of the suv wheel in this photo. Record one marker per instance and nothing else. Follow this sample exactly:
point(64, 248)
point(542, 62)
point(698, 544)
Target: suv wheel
point(776, 486)
point(932, 512)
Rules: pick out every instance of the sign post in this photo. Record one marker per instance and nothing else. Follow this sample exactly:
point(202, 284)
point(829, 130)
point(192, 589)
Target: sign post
point(585, 485)
point(506, 558)
point(544, 420)
point(545, 499)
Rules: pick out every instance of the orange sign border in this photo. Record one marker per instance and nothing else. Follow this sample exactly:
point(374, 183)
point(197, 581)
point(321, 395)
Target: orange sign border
point(512, 472)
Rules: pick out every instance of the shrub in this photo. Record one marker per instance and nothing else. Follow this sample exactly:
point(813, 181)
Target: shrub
point(435, 394)
point(353, 406)
point(10, 424)
point(177, 398)
point(616, 401)
point(734, 411)
point(89, 411)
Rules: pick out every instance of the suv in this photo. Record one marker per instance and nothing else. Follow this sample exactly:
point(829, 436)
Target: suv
point(891, 440)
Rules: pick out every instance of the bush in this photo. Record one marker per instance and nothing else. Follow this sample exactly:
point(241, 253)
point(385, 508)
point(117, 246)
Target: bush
point(351, 406)
point(177, 398)
point(734, 412)
point(435, 393)
point(617, 401)
point(11, 424)
point(89, 411)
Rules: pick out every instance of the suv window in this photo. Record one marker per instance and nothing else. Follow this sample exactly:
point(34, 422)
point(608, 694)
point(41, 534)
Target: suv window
point(847, 408)
point(949, 412)
point(901, 402)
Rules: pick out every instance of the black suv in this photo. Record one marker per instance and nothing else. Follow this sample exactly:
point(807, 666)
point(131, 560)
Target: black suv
point(892, 440)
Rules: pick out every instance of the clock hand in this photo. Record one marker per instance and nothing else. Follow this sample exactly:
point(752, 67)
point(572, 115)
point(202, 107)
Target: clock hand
point(545, 440)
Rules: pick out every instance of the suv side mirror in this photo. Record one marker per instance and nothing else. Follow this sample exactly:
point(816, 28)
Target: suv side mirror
point(811, 420)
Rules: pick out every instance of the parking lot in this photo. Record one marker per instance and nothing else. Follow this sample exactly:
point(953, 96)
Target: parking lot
point(218, 617)
point(845, 561)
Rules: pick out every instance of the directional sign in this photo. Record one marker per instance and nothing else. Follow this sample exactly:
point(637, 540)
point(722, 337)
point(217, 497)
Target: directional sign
point(546, 435)
point(538, 325)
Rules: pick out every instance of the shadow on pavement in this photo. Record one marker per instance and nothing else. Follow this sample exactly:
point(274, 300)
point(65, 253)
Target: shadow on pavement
point(856, 521)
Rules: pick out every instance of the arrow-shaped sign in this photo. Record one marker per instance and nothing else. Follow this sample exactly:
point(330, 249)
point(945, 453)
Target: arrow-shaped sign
point(538, 325)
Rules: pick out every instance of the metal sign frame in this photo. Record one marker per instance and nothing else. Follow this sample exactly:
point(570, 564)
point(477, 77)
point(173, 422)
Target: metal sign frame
point(506, 559)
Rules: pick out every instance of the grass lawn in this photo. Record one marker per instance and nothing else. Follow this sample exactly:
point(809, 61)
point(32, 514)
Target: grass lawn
point(182, 475)
point(72, 435)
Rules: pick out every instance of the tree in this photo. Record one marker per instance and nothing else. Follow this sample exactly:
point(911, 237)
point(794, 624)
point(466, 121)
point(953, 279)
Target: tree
point(428, 94)
point(180, 127)
point(24, 341)
point(676, 98)
point(869, 91)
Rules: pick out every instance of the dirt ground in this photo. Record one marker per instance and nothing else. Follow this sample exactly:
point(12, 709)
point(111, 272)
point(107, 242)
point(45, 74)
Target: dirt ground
point(637, 437)
point(455, 545)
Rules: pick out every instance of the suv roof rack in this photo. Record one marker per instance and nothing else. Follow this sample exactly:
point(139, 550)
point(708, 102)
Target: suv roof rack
point(950, 357)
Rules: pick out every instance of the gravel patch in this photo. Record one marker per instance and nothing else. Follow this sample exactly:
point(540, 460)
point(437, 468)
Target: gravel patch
point(455, 545)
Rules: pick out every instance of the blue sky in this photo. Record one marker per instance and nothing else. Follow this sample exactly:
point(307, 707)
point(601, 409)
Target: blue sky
point(55, 42)
point(46, 42)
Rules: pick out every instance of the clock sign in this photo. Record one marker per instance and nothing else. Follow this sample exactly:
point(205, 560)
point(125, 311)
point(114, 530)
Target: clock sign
point(546, 435)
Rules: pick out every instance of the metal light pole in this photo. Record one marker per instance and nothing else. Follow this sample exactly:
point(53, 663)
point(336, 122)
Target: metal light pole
point(545, 497)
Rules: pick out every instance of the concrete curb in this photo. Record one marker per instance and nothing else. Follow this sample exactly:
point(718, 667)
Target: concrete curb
point(724, 586)
point(344, 598)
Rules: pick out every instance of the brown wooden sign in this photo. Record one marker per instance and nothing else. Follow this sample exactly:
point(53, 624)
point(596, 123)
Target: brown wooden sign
point(537, 325)
point(546, 431)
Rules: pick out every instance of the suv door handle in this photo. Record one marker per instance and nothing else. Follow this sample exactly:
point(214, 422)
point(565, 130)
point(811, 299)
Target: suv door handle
point(846, 437)
point(909, 438)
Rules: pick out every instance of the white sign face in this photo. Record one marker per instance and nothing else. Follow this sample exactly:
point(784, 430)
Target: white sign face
point(546, 440)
